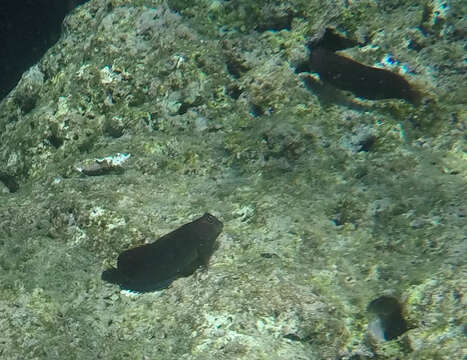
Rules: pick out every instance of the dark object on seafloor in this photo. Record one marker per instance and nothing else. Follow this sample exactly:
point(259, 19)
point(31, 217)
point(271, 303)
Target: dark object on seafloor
point(331, 40)
point(179, 253)
point(385, 319)
point(346, 74)
point(364, 81)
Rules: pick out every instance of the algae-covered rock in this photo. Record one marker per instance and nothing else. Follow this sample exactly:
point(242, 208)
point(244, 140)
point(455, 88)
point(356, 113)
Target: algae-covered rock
point(328, 201)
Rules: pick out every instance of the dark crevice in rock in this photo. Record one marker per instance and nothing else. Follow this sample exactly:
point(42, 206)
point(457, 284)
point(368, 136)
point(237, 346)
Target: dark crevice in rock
point(386, 321)
point(256, 110)
point(10, 182)
point(55, 141)
point(234, 92)
point(277, 23)
point(236, 68)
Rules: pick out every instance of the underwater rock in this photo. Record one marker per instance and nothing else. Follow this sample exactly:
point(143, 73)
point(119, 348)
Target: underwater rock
point(385, 320)
point(103, 166)
point(331, 40)
point(179, 253)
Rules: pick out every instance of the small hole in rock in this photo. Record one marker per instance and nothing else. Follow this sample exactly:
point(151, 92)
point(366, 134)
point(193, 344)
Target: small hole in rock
point(256, 110)
point(385, 319)
point(55, 141)
point(10, 182)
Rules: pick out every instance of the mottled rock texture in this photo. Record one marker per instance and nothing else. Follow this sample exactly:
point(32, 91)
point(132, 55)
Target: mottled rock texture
point(317, 223)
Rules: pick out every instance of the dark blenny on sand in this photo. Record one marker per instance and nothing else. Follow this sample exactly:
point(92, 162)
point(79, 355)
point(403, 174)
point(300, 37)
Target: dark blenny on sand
point(179, 253)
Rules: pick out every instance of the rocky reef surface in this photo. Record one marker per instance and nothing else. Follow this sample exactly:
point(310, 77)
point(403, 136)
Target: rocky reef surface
point(345, 231)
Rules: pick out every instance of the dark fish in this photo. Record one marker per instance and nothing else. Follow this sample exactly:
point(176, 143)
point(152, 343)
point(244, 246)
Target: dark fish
point(346, 74)
point(179, 253)
point(364, 81)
